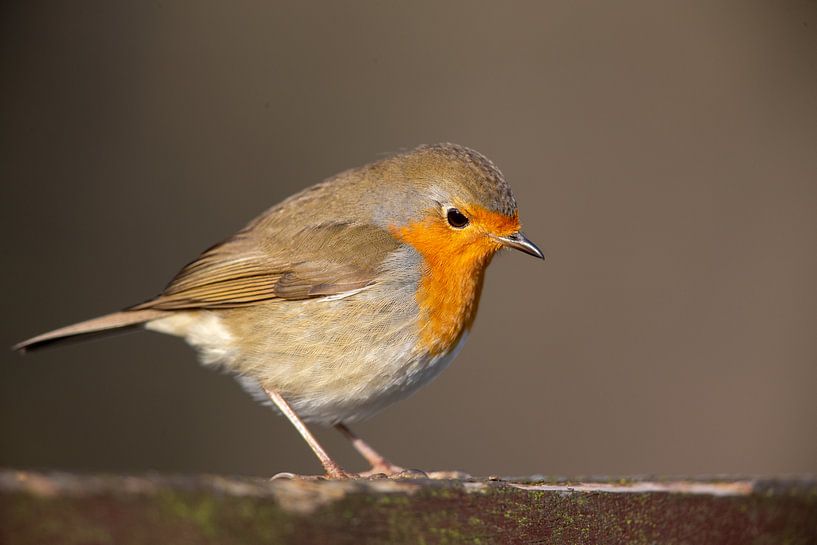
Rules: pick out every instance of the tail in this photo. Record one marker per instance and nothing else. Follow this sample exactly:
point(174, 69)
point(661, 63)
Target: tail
point(109, 323)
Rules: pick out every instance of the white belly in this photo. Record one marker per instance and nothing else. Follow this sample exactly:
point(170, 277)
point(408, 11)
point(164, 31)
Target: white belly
point(398, 379)
point(341, 395)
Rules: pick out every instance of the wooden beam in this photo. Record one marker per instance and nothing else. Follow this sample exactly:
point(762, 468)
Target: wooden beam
point(43, 508)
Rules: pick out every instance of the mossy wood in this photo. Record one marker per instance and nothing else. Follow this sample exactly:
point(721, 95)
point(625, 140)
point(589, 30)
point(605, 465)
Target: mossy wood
point(69, 509)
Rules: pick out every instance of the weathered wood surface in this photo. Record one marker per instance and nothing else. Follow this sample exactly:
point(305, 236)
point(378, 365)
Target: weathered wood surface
point(70, 509)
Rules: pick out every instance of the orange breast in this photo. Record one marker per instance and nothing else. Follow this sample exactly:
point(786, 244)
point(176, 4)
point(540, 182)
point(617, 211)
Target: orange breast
point(454, 267)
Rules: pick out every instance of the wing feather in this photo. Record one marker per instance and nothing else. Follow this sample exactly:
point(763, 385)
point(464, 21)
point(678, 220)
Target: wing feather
point(325, 260)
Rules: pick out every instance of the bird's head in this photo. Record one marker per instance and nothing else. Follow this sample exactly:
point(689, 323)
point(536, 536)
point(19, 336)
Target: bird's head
point(455, 206)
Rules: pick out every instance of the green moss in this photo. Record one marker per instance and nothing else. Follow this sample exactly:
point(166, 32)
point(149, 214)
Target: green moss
point(199, 510)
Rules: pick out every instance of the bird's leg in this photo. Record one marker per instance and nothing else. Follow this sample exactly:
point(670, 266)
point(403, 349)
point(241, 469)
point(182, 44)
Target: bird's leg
point(379, 463)
point(333, 470)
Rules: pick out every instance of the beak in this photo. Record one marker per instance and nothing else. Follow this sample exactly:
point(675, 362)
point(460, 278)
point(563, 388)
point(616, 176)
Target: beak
point(519, 242)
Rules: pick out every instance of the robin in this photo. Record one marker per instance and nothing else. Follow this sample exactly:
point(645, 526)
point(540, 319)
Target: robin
point(345, 297)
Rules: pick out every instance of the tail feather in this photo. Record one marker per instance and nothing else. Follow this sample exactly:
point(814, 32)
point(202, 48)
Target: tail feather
point(102, 325)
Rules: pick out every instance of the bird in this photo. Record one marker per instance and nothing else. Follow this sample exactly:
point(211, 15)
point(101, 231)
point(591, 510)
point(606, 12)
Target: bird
point(345, 297)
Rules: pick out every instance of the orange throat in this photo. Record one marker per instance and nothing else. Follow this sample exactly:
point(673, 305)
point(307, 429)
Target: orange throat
point(452, 278)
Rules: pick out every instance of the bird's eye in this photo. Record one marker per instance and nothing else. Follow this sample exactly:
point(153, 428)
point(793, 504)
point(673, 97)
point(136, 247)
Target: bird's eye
point(456, 218)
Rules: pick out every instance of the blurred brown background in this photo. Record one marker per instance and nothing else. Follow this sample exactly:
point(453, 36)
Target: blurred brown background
point(665, 158)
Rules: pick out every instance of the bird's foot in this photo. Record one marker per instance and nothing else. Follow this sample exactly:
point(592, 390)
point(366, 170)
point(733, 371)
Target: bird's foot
point(398, 473)
point(341, 476)
point(450, 475)
point(382, 470)
point(333, 473)
point(379, 471)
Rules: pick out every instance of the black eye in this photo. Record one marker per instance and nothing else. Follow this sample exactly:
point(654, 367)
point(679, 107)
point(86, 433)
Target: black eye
point(456, 218)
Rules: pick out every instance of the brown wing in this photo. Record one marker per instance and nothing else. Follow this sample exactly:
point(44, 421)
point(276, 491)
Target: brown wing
point(327, 259)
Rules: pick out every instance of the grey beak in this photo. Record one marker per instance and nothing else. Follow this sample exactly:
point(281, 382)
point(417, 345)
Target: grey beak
point(519, 242)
